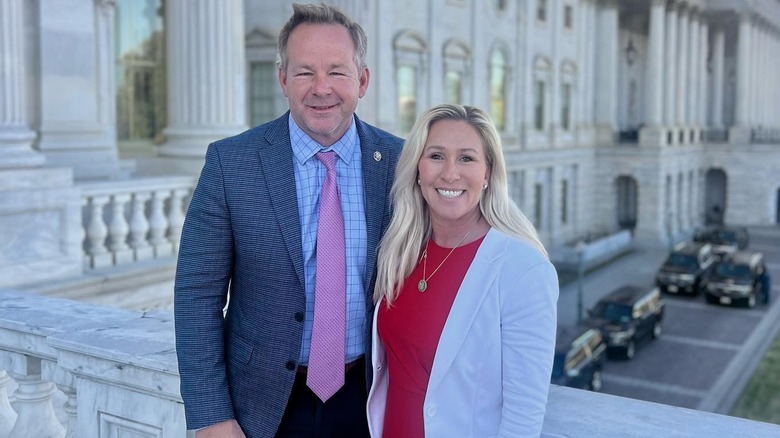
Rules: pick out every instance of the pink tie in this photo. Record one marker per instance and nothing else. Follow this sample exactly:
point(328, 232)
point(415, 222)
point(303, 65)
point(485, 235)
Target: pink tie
point(326, 358)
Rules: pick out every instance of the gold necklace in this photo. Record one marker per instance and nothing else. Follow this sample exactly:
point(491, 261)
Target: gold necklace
point(422, 285)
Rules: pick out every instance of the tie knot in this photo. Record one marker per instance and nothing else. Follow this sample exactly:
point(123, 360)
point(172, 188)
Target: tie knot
point(328, 159)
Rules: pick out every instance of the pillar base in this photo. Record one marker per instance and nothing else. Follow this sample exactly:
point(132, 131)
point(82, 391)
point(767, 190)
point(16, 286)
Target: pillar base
point(605, 135)
point(192, 142)
point(16, 149)
point(739, 135)
point(41, 223)
point(652, 136)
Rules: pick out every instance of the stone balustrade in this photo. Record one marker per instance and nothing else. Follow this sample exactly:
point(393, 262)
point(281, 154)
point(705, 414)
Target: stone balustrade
point(765, 135)
point(116, 372)
point(133, 220)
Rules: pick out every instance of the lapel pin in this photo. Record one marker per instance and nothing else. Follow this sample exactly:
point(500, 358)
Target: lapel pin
point(377, 156)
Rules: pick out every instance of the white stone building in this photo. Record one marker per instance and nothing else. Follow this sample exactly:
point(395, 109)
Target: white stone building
point(650, 115)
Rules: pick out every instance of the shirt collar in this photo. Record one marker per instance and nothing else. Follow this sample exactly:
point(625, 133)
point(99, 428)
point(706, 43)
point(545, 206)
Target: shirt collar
point(305, 147)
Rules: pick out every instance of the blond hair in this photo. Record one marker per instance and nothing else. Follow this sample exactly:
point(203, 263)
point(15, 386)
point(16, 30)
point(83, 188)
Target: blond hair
point(410, 226)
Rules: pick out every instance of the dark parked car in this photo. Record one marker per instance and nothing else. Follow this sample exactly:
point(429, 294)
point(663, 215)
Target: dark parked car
point(579, 357)
point(628, 315)
point(724, 239)
point(741, 278)
point(687, 269)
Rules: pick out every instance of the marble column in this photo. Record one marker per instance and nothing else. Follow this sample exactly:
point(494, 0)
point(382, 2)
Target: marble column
point(206, 76)
point(16, 137)
point(692, 99)
point(653, 134)
point(704, 48)
point(718, 73)
point(740, 132)
point(606, 74)
point(683, 19)
point(670, 74)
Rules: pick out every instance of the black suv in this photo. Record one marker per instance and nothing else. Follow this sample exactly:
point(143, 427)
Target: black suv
point(628, 315)
point(724, 239)
point(687, 269)
point(579, 357)
point(739, 278)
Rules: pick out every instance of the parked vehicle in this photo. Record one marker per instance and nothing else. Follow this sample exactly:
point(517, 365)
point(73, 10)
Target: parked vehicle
point(579, 357)
point(740, 278)
point(687, 269)
point(725, 239)
point(626, 316)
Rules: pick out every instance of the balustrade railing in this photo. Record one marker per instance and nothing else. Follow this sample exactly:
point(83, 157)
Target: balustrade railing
point(765, 135)
point(133, 220)
point(118, 371)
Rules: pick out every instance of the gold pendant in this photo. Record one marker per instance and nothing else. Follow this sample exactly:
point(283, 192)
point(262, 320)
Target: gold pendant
point(422, 285)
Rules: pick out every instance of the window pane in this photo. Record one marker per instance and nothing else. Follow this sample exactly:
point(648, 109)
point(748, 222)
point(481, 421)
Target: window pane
point(539, 106)
point(537, 205)
point(263, 90)
point(140, 74)
point(407, 96)
point(541, 10)
point(568, 16)
point(498, 89)
point(566, 106)
point(564, 201)
point(453, 81)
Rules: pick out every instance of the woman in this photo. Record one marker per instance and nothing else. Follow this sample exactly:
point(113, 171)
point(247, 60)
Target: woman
point(464, 328)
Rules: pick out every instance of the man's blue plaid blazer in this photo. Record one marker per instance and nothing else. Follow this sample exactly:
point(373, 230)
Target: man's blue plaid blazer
point(242, 234)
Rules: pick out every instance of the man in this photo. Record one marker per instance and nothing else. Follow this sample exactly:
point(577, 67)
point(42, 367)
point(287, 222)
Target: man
point(264, 200)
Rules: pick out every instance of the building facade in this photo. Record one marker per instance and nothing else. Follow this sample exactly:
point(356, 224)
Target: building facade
point(656, 116)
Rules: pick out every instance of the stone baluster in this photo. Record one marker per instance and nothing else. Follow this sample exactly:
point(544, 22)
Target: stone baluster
point(96, 233)
point(36, 416)
point(139, 227)
point(71, 410)
point(7, 414)
point(159, 224)
point(118, 229)
point(176, 217)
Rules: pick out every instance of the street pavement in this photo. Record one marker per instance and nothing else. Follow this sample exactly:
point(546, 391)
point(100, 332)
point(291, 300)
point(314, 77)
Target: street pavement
point(706, 354)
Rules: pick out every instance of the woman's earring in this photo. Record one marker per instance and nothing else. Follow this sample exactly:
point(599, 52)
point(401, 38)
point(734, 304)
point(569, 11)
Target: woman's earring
point(418, 181)
point(484, 186)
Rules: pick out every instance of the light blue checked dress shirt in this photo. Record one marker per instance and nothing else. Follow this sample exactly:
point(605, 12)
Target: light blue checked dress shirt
point(309, 176)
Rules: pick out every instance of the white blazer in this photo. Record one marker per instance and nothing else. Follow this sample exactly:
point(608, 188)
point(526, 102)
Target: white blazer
point(491, 371)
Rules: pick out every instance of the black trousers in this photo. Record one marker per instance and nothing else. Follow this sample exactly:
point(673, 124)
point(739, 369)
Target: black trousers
point(342, 416)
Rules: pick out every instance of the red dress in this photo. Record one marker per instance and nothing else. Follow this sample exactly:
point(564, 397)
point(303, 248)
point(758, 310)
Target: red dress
point(410, 332)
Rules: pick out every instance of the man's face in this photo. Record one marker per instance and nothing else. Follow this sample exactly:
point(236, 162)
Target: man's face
point(322, 82)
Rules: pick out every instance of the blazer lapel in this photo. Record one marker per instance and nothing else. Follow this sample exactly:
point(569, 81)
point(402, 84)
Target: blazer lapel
point(376, 169)
point(276, 161)
point(472, 292)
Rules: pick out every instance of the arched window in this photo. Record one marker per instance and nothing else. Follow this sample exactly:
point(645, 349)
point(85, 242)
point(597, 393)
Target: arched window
point(410, 53)
point(457, 69)
point(498, 88)
point(141, 86)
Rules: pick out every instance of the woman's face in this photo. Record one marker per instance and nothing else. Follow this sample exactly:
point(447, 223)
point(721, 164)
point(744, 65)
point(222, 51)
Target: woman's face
point(452, 170)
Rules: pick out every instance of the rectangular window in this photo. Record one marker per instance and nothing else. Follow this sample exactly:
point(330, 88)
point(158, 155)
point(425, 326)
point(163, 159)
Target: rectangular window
point(541, 10)
point(564, 201)
point(263, 89)
point(452, 84)
point(566, 106)
point(537, 205)
point(568, 16)
point(141, 83)
point(539, 106)
point(407, 96)
point(517, 187)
